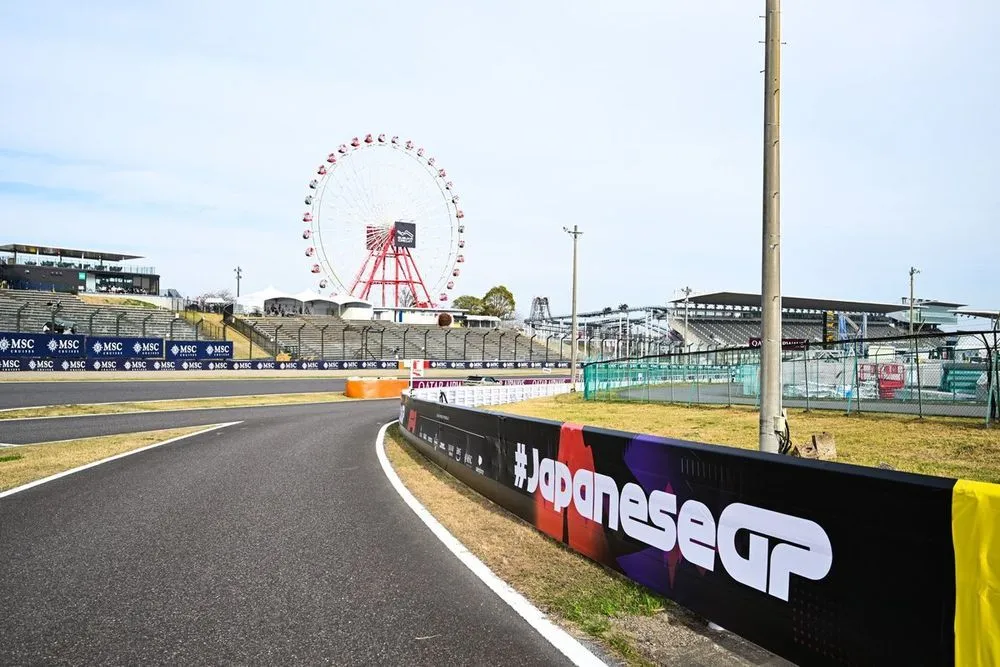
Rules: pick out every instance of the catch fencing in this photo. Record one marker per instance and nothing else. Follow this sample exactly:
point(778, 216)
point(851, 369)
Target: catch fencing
point(920, 375)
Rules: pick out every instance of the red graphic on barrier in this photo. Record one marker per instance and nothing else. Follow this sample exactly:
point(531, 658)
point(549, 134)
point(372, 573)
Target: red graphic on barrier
point(567, 525)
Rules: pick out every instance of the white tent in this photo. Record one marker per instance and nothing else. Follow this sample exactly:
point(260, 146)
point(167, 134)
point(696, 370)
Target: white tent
point(317, 304)
point(308, 301)
point(353, 308)
point(257, 300)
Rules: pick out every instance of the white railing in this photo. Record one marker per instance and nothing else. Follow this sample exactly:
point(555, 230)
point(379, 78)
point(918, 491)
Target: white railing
point(492, 394)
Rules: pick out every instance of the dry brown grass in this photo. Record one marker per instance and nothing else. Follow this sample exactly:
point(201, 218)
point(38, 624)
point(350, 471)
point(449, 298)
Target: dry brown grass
point(20, 465)
point(948, 446)
point(586, 597)
point(179, 404)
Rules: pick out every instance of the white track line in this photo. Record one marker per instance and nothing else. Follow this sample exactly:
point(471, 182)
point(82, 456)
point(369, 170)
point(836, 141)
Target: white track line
point(25, 487)
point(577, 653)
point(182, 409)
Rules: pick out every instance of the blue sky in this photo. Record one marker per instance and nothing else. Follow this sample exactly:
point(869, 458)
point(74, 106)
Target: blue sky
point(185, 131)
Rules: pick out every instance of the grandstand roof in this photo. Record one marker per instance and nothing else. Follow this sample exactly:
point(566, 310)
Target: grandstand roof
point(746, 300)
point(988, 314)
point(934, 302)
point(52, 251)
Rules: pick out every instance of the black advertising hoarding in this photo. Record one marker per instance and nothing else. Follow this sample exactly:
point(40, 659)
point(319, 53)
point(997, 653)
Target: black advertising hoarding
point(405, 235)
point(819, 562)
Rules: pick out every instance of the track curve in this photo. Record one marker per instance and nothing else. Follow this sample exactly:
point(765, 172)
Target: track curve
point(276, 540)
point(31, 394)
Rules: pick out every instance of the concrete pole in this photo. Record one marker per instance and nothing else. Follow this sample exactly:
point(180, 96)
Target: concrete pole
point(573, 323)
point(770, 353)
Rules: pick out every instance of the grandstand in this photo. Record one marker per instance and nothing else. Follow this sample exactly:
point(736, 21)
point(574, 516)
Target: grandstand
point(34, 311)
point(331, 337)
point(733, 319)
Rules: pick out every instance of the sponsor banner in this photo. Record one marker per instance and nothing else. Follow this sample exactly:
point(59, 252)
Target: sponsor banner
point(14, 345)
point(121, 364)
point(422, 383)
point(475, 365)
point(115, 347)
point(43, 364)
point(786, 343)
point(199, 349)
point(11, 365)
point(821, 563)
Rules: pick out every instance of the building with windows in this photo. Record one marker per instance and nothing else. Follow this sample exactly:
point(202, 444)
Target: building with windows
point(34, 267)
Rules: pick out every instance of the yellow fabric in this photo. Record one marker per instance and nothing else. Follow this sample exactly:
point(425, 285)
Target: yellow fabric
point(975, 531)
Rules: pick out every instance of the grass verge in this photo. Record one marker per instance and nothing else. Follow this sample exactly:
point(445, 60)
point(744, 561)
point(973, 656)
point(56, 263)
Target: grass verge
point(636, 625)
point(82, 409)
point(25, 464)
point(948, 446)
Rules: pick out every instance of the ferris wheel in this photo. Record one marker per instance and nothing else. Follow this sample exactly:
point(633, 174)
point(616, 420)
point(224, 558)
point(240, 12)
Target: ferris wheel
point(384, 224)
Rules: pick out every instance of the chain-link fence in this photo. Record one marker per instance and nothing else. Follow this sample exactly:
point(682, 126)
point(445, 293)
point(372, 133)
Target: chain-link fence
point(958, 375)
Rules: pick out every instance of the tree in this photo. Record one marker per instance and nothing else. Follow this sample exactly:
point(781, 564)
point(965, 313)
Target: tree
point(499, 302)
point(472, 304)
point(406, 298)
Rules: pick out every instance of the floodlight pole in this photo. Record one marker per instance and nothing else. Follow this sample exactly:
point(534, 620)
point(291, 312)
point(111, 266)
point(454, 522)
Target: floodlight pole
point(913, 271)
point(770, 357)
point(575, 233)
point(239, 274)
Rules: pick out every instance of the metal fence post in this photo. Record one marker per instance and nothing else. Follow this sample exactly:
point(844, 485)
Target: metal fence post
point(920, 391)
point(647, 380)
point(857, 382)
point(805, 360)
point(697, 383)
point(729, 386)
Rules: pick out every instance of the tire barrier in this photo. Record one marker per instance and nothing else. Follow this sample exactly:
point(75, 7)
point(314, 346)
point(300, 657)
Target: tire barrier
point(821, 563)
point(375, 387)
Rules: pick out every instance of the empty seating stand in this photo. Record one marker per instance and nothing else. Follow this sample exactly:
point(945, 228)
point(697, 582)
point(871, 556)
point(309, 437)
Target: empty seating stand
point(325, 336)
point(29, 311)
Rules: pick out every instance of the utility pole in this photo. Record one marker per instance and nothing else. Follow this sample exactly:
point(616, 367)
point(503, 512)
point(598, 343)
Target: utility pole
point(575, 233)
point(239, 274)
point(770, 352)
point(913, 271)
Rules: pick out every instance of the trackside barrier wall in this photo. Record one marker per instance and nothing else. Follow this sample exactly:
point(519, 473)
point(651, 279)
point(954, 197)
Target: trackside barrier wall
point(821, 563)
point(491, 395)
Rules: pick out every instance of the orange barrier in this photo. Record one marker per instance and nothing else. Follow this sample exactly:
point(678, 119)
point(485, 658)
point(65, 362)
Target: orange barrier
point(375, 387)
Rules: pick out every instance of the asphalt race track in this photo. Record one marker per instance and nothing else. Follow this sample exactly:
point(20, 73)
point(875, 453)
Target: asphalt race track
point(277, 540)
point(27, 431)
point(27, 394)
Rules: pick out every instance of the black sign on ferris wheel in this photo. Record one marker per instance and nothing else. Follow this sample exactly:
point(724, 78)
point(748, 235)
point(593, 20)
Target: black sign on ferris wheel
point(405, 235)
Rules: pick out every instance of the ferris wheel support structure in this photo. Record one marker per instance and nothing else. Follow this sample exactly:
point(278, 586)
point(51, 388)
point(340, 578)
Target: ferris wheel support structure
point(406, 275)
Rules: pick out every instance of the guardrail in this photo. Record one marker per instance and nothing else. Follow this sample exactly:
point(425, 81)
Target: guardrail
point(821, 563)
